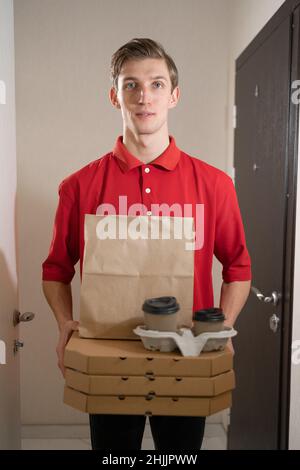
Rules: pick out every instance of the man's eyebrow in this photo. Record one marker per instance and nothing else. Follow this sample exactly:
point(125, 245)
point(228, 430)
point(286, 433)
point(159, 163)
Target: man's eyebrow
point(158, 77)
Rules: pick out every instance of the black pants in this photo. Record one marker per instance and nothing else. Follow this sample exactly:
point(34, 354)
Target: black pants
point(126, 432)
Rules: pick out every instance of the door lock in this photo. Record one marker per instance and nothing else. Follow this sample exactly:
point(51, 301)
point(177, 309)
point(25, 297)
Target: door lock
point(18, 345)
point(274, 320)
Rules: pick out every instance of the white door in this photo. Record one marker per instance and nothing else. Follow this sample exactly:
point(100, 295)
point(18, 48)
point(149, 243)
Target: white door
point(9, 361)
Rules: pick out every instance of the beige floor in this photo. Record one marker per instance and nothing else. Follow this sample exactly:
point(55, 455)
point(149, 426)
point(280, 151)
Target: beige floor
point(214, 439)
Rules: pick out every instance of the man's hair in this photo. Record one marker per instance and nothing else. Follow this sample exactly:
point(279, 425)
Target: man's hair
point(141, 48)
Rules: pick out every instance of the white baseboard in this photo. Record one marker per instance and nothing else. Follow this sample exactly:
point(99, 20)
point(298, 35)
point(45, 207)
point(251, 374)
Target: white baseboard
point(55, 431)
point(219, 418)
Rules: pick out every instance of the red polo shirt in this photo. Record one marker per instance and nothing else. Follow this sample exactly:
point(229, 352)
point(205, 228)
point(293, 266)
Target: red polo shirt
point(173, 178)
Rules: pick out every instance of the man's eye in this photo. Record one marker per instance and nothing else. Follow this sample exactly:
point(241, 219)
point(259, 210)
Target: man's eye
point(158, 83)
point(130, 85)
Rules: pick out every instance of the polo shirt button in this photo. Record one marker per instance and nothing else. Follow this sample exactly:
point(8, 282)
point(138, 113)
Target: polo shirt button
point(149, 213)
point(148, 190)
point(147, 170)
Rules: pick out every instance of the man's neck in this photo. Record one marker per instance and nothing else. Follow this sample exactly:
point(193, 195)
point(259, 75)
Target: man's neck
point(145, 147)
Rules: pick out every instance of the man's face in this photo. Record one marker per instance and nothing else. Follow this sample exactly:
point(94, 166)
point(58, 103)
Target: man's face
point(144, 95)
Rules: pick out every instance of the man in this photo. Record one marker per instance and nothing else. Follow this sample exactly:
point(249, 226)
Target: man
point(148, 168)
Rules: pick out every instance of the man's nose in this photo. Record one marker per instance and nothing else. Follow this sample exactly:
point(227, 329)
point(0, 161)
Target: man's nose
point(144, 95)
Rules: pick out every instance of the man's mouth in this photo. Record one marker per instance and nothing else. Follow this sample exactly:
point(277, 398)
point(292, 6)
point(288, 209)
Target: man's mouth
point(144, 115)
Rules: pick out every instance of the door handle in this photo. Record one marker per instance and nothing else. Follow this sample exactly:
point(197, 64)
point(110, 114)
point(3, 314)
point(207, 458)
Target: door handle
point(17, 317)
point(273, 298)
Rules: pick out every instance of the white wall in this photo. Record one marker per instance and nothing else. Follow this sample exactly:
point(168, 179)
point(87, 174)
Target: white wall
point(8, 166)
point(294, 442)
point(9, 372)
point(65, 120)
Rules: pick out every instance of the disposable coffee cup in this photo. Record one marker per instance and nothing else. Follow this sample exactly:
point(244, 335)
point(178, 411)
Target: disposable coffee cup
point(161, 313)
point(208, 320)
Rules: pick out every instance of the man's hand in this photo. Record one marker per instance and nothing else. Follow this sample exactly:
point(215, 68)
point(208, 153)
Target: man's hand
point(59, 297)
point(64, 335)
point(233, 298)
point(230, 345)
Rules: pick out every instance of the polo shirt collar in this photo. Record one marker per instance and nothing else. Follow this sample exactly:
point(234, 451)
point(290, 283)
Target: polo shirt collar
point(168, 159)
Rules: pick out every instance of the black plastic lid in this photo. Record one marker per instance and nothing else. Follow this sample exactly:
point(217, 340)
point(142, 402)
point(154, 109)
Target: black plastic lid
point(160, 305)
point(209, 315)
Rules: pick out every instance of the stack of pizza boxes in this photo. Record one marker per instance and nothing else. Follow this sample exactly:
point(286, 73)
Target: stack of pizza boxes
point(118, 376)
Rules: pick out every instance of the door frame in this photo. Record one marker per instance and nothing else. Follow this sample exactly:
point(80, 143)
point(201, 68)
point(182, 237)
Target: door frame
point(286, 10)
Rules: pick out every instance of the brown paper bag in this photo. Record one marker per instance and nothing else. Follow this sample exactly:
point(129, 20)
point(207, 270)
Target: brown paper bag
point(128, 259)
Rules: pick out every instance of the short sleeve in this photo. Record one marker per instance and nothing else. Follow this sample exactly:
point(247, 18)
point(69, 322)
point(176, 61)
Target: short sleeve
point(64, 248)
point(230, 243)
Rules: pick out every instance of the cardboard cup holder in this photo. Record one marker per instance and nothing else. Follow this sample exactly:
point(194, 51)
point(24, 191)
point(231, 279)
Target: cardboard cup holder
point(184, 340)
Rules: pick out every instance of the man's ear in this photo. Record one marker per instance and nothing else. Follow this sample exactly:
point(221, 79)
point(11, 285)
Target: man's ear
point(113, 98)
point(174, 97)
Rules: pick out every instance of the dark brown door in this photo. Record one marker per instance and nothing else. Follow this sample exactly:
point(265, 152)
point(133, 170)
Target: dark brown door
point(261, 160)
